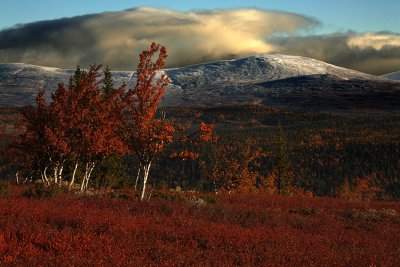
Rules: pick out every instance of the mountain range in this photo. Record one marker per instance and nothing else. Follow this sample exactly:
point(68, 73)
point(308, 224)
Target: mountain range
point(275, 80)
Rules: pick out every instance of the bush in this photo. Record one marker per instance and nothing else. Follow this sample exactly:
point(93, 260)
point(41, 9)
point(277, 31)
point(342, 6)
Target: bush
point(369, 215)
point(42, 191)
point(209, 199)
point(304, 212)
point(111, 172)
point(184, 196)
point(119, 195)
point(4, 189)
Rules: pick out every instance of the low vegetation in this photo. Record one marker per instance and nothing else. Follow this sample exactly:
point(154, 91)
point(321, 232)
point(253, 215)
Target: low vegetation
point(175, 228)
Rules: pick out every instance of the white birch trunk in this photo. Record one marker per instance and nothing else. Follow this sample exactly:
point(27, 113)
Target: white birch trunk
point(91, 167)
point(138, 176)
point(55, 172)
point(45, 179)
point(60, 171)
point(83, 183)
point(84, 177)
point(73, 176)
point(146, 169)
point(88, 172)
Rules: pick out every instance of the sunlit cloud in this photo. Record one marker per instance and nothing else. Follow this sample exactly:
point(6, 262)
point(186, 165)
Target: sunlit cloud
point(374, 40)
point(347, 50)
point(116, 38)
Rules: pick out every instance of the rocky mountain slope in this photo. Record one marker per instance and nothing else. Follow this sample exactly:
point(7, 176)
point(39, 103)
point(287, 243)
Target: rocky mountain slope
point(393, 76)
point(275, 80)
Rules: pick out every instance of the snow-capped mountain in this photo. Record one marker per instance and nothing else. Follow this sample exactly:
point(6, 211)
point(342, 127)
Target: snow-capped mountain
point(276, 80)
point(393, 76)
point(255, 69)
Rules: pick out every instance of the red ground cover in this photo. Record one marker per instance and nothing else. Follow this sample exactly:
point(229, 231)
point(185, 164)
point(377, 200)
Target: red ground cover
point(240, 229)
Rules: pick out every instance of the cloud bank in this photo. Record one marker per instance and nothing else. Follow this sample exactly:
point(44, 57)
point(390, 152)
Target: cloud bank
point(375, 53)
point(191, 37)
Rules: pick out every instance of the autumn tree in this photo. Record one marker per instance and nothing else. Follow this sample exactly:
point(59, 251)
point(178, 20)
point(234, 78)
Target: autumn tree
point(34, 152)
point(268, 183)
point(193, 137)
point(360, 189)
point(229, 167)
point(89, 122)
point(79, 125)
point(7, 134)
point(146, 135)
point(34, 148)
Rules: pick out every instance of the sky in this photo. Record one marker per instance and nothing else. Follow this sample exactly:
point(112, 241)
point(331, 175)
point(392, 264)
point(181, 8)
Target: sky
point(358, 34)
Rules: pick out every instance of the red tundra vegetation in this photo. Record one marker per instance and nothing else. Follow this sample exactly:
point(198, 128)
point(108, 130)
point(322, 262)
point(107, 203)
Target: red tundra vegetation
point(221, 230)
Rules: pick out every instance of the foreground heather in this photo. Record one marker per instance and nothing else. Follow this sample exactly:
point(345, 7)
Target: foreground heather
point(239, 229)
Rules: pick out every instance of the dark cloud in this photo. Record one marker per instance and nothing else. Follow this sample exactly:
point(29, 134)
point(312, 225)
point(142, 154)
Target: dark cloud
point(116, 38)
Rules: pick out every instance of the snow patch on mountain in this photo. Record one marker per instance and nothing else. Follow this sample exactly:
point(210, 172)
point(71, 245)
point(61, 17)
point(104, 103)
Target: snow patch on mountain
point(217, 82)
point(392, 76)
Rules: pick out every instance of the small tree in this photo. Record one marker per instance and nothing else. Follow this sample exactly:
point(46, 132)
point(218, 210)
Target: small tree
point(285, 178)
point(145, 134)
point(89, 123)
point(108, 82)
point(230, 166)
point(79, 124)
point(35, 149)
point(360, 189)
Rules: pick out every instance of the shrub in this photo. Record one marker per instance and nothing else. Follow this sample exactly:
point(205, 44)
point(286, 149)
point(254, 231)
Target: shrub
point(184, 196)
point(4, 189)
point(304, 212)
point(368, 215)
point(42, 191)
point(119, 195)
point(209, 199)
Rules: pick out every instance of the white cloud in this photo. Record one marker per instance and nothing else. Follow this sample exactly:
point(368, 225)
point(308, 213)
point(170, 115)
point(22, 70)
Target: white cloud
point(374, 40)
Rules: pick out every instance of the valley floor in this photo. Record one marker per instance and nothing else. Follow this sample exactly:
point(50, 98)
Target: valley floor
point(188, 229)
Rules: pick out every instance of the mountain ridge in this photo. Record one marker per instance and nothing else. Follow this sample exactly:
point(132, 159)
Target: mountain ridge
point(393, 75)
point(239, 81)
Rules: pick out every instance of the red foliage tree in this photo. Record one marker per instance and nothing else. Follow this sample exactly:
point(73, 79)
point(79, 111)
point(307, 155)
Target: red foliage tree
point(33, 152)
point(146, 135)
point(88, 120)
point(231, 169)
point(205, 134)
point(81, 123)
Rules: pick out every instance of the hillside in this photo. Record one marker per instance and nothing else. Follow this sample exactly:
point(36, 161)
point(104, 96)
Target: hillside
point(274, 80)
point(393, 76)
